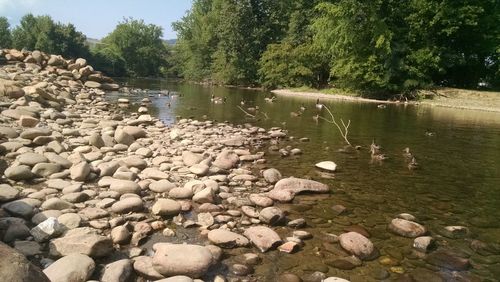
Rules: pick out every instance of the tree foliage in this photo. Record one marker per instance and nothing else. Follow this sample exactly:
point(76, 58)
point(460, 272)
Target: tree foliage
point(133, 48)
point(42, 33)
point(374, 46)
point(5, 36)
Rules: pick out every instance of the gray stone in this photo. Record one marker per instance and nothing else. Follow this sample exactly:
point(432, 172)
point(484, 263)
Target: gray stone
point(83, 240)
point(166, 207)
point(17, 267)
point(271, 175)
point(286, 189)
point(227, 239)
point(181, 259)
point(71, 268)
point(127, 205)
point(19, 172)
point(264, 238)
point(47, 229)
point(407, 228)
point(8, 193)
point(80, 171)
point(118, 271)
point(357, 244)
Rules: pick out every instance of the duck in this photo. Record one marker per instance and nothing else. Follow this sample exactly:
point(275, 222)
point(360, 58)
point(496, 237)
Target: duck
point(168, 104)
point(217, 100)
point(295, 114)
point(242, 102)
point(319, 106)
point(316, 118)
point(270, 100)
point(381, 106)
point(413, 164)
point(375, 152)
point(429, 133)
point(302, 108)
point(407, 154)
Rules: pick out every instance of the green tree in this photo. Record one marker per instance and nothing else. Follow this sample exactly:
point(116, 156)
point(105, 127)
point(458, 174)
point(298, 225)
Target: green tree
point(5, 36)
point(42, 33)
point(137, 45)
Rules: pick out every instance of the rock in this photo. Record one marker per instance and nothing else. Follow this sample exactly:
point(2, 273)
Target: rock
point(289, 277)
point(226, 159)
point(204, 196)
point(28, 248)
point(72, 268)
point(205, 219)
point(19, 172)
point(124, 186)
point(288, 247)
point(120, 235)
point(143, 265)
point(8, 193)
point(190, 158)
point(423, 243)
point(22, 208)
point(446, 259)
point(286, 189)
point(92, 84)
point(121, 137)
point(80, 171)
point(70, 220)
point(227, 239)
point(260, 200)
point(17, 113)
point(406, 228)
point(181, 259)
point(272, 216)
point(128, 204)
point(118, 271)
point(161, 186)
point(454, 232)
point(15, 267)
point(166, 207)
point(82, 240)
point(28, 121)
point(271, 175)
point(56, 204)
point(327, 165)
point(264, 238)
point(335, 279)
point(47, 229)
point(199, 169)
point(33, 133)
point(357, 244)
point(45, 169)
point(96, 140)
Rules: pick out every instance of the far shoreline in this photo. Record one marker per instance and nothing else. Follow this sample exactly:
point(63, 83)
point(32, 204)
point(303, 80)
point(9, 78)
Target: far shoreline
point(450, 99)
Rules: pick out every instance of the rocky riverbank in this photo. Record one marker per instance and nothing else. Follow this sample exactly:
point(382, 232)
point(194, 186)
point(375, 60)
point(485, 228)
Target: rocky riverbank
point(84, 182)
point(92, 191)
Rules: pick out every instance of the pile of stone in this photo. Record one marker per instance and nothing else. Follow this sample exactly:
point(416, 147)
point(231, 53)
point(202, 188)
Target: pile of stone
point(82, 180)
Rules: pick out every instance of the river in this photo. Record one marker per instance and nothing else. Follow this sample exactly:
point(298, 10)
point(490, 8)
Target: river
point(457, 183)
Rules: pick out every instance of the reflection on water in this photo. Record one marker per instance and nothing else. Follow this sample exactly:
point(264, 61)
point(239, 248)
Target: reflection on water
point(458, 183)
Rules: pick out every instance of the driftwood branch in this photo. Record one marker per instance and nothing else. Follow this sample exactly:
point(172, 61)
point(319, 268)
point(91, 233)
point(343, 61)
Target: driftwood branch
point(246, 113)
point(344, 130)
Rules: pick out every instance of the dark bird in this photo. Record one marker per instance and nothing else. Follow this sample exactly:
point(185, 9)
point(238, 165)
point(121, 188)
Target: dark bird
point(375, 152)
point(319, 106)
point(413, 164)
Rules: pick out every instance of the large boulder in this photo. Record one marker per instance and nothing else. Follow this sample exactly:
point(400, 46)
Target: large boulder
point(71, 268)
point(181, 259)
point(15, 267)
point(286, 189)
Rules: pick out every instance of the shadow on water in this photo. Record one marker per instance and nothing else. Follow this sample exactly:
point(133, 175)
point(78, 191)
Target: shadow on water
point(458, 183)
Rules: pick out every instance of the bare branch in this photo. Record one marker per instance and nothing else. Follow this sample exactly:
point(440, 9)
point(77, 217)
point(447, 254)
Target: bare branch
point(247, 113)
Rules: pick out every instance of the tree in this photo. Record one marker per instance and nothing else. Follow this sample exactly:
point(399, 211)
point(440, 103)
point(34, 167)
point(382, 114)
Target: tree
point(41, 33)
point(5, 36)
point(136, 45)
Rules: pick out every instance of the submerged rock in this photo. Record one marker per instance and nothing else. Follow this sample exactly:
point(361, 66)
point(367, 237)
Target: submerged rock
point(327, 165)
point(227, 239)
point(406, 228)
point(357, 244)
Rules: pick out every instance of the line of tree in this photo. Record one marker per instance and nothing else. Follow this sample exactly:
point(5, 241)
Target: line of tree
point(134, 48)
point(372, 46)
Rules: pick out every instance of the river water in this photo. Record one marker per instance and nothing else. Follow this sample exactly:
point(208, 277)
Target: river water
point(457, 183)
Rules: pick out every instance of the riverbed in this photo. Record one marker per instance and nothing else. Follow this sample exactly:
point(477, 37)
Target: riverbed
point(457, 182)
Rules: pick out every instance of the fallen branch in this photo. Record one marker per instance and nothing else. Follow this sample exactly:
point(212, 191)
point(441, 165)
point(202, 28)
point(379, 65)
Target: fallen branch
point(247, 113)
point(345, 131)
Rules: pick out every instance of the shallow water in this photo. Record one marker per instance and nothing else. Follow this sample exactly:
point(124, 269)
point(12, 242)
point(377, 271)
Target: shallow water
point(458, 182)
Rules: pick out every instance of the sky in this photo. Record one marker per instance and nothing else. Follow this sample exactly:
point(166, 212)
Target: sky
point(97, 18)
